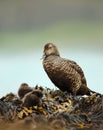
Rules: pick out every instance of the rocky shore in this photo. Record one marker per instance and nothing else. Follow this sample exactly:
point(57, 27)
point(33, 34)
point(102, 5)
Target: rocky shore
point(46, 109)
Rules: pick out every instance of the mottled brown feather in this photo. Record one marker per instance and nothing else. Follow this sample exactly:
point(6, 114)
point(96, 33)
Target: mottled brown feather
point(67, 75)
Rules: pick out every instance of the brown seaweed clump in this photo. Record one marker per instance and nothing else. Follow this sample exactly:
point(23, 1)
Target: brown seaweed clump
point(47, 109)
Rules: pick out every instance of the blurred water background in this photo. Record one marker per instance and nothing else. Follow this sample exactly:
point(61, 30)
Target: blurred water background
point(76, 27)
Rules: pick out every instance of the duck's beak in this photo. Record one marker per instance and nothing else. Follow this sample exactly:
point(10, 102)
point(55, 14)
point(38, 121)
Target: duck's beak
point(43, 56)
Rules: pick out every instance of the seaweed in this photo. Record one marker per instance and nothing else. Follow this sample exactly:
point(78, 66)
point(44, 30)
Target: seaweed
point(56, 110)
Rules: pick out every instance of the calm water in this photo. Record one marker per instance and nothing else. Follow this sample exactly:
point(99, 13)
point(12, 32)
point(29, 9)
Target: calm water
point(27, 67)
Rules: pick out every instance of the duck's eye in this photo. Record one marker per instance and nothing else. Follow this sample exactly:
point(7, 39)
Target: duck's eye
point(50, 47)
